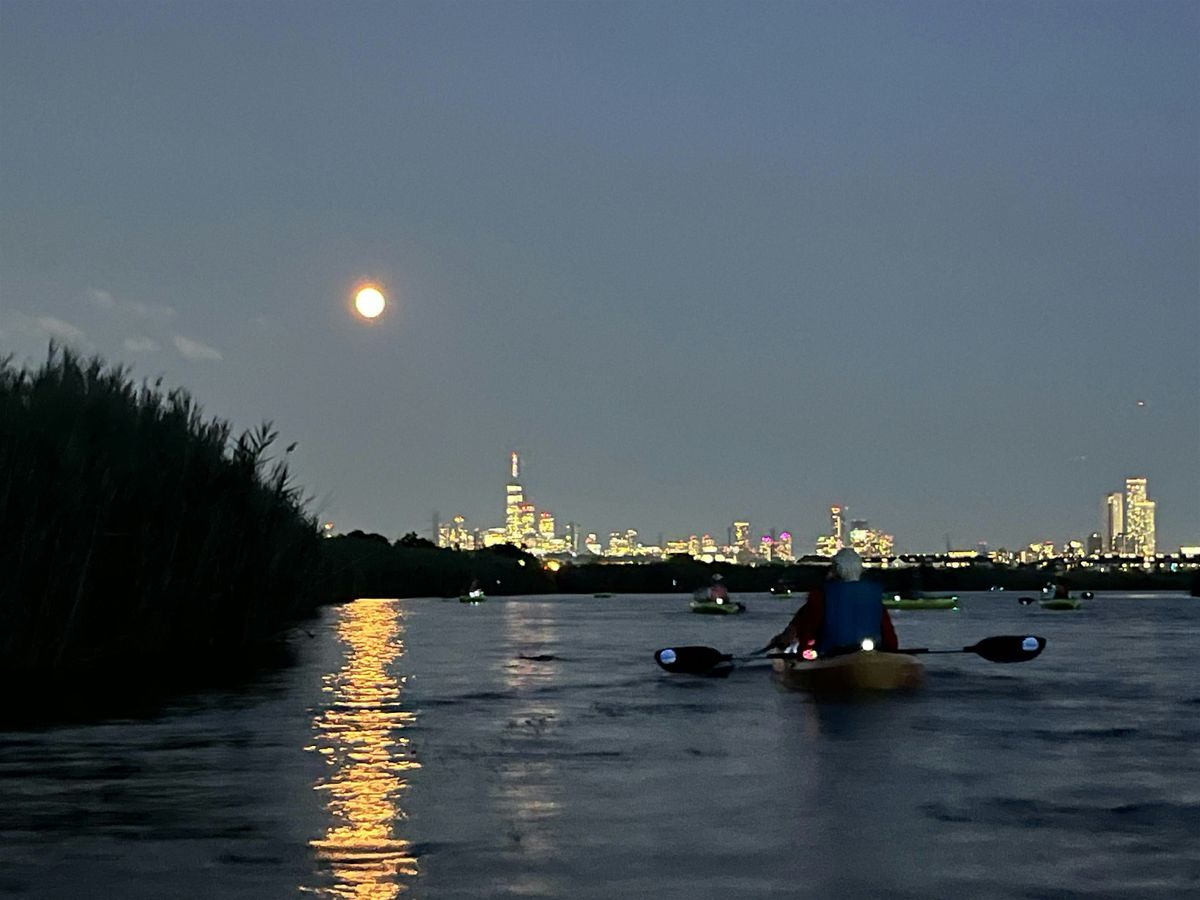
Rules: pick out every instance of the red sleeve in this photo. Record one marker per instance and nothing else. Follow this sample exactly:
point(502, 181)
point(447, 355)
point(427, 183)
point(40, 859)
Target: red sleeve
point(887, 633)
point(807, 621)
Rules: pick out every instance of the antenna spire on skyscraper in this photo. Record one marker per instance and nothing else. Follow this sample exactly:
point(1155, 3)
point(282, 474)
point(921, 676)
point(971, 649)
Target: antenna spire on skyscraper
point(516, 466)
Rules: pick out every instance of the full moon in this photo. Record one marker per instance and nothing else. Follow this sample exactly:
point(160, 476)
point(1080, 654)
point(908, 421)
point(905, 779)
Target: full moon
point(369, 302)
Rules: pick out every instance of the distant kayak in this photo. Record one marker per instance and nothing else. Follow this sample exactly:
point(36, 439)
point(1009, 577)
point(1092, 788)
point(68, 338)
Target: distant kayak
point(1049, 592)
point(898, 602)
point(1062, 603)
point(718, 607)
point(851, 673)
point(472, 597)
point(602, 595)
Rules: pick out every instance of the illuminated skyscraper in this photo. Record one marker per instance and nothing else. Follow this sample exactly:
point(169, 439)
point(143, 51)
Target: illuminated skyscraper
point(741, 535)
point(526, 516)
point(546, 524)
point(514, 498)
point(827, 545)
point(783, 547)
point(1139, 518)
point(1114, 522)
point(860, 534)
point(835, 519)
point(457, 535)
point(766, 547)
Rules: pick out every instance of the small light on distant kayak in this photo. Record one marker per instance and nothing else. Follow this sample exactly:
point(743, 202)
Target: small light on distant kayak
point(809, 653)
point(868, 644)
point(666, 657)
point(1029, 644)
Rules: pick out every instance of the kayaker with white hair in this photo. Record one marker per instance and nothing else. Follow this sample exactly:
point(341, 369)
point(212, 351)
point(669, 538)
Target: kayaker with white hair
point(717, 591)
point(840, 615)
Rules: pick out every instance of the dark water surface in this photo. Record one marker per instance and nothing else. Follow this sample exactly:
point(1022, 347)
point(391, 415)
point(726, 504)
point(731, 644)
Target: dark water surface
point(412, 750)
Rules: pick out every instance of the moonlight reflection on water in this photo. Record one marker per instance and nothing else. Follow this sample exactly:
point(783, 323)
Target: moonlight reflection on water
point(359, 736)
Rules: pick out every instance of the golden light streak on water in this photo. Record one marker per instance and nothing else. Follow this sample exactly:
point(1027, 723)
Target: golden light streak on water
point(359, 736)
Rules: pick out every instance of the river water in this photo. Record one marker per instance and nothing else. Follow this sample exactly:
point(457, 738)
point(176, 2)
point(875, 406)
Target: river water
point(529, 747)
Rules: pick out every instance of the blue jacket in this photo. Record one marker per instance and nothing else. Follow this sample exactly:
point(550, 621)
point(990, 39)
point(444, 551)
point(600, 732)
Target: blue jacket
point(853, 611)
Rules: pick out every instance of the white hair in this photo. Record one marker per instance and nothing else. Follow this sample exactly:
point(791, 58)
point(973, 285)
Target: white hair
point(848, 564)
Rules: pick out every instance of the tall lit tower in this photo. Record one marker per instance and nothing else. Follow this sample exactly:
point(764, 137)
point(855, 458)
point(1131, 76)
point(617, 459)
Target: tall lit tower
point(514, 499)
point(1114, 522)
point(835, 519)
point(741, 535)
point(1139, 518)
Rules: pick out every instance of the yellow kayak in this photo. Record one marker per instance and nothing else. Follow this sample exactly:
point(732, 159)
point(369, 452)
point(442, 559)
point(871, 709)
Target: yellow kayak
point(851, 673)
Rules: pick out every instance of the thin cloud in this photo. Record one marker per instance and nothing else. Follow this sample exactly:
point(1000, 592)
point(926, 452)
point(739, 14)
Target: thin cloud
point(190, 349)
point(60, 329)
point(141, 345)
point(105, 300)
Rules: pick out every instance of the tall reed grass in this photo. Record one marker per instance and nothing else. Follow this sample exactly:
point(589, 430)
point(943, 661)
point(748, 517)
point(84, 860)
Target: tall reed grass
point(133, 527)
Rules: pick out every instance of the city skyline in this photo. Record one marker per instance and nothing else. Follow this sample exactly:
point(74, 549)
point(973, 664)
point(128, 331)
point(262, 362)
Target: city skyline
point(526, 525)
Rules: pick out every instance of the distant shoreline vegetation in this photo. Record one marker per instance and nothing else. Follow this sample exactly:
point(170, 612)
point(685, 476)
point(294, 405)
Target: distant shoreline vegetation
point(137, 535)
point(369, 565)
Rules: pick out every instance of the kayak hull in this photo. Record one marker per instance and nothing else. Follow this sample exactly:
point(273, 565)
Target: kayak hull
point(712, 608)
point(1061, 603)
point(467, 598)
point(921, 603)
point(851, 674)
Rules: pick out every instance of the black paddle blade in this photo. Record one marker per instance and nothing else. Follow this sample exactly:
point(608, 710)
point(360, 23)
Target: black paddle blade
point(690, 660)
point(1009, 648)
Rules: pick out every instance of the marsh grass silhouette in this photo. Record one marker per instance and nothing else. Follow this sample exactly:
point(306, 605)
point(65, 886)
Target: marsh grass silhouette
point(134, 529)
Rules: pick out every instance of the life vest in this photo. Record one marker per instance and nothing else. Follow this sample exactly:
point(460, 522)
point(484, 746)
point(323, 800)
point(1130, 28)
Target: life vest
point(853, 611)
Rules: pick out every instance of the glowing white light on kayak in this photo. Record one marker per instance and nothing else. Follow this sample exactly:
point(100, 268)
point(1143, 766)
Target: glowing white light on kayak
point(1029, 644)
point(666, 656)
point(719, 601)
point(868, 644)
point(809, 653)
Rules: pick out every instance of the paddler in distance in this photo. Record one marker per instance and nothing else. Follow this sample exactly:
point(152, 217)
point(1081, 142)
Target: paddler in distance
point(839, 616)
point(717, 592)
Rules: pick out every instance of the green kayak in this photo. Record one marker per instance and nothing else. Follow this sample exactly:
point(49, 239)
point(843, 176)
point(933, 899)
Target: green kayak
point(473, 597)
point(715, 608)
point(1062, 603)
point(602, 595)
point(898, 602)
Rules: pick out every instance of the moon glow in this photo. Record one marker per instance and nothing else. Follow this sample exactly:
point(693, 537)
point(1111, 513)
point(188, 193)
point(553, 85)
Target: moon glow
point(369, 302)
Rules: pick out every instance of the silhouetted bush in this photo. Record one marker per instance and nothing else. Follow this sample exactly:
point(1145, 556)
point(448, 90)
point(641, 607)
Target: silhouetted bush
point(131, 527)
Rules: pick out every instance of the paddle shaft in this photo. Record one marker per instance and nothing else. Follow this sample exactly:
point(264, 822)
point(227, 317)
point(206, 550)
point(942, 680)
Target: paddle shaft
point(916, 650)
point(700, 660)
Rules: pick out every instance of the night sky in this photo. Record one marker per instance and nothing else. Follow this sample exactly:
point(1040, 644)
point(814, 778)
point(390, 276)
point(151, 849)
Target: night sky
point(696, 261)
